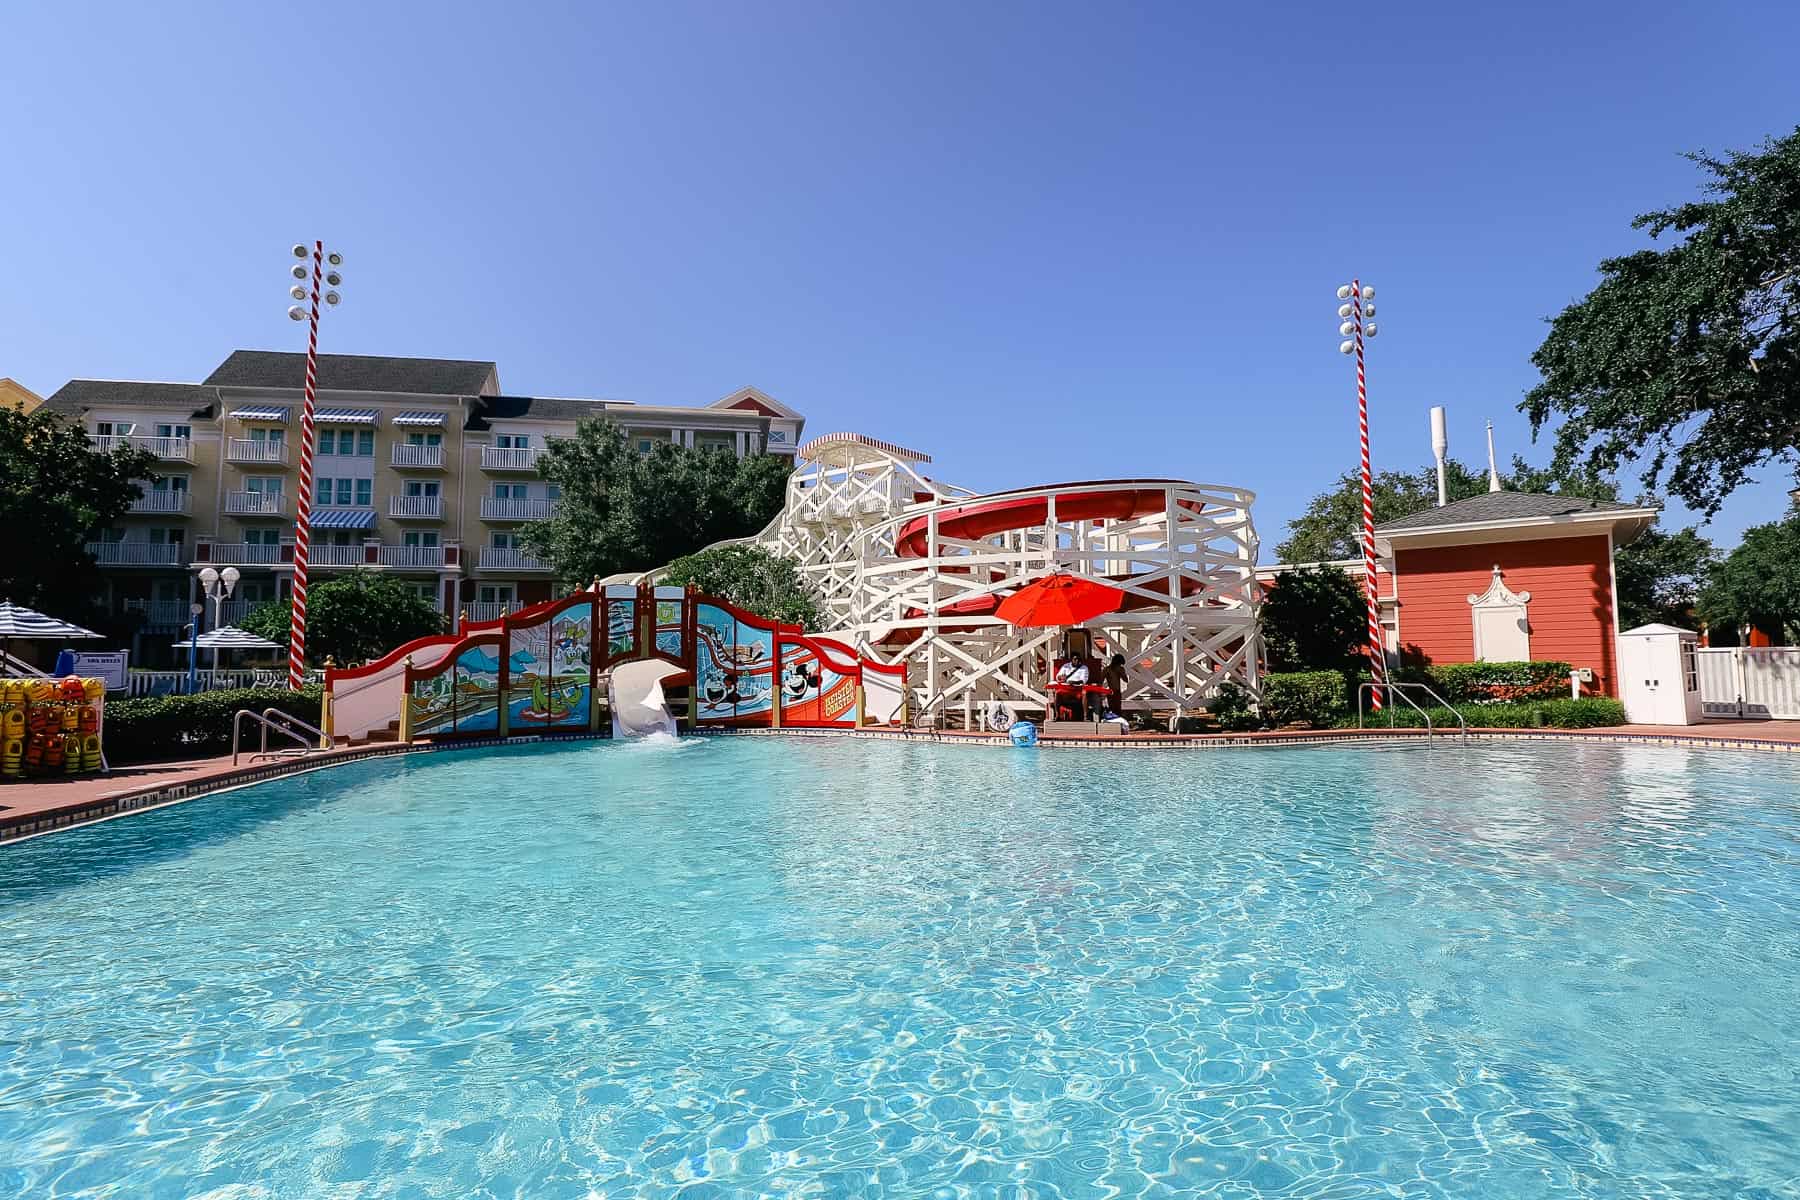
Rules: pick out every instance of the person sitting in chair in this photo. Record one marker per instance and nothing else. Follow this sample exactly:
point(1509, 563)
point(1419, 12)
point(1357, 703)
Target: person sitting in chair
point(1071, 677)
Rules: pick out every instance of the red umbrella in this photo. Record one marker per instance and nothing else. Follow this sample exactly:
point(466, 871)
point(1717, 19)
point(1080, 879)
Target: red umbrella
point(1059, 600)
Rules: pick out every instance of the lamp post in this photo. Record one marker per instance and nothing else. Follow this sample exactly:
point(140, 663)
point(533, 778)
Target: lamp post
point(195, 610)
point(219, 586)
point(1357, 314)
point(303, 502)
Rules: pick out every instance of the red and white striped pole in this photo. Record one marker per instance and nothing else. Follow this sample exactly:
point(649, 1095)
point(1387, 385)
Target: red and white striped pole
point(1355, 324)
point(303, 505)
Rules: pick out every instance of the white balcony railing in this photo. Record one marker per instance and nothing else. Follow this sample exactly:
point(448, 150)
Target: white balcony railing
point(252, 450)
point(408, 455)
point(138, 554)
point(510, 458)
point(411, 556)
point(428, 508)
point(488, 610)
point(493, 559)
point(255, 504)
point(336, 556)
point(178, 449)
point(496, 508)
point(248, 554)
point(160, 614)
point(171, 502)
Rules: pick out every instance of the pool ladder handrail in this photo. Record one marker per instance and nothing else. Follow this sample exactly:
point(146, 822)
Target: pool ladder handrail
point(1398, 689)
point(285, 724)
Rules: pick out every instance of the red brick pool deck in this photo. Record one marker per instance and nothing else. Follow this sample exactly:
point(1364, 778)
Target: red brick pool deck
point(42, 806)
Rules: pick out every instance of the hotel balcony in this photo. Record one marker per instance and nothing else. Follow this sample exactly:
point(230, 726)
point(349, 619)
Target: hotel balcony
point(416, 508)
point(418, 458)
point(258, 453)
point(160, 614)
point(173, 449)
point(138, 554)
point(493, 559)
point(510, 458)
point(255, 504)
point(246, 554)
point(493, 508)
point(488, 610)
point(169, 503)
point(430, 557)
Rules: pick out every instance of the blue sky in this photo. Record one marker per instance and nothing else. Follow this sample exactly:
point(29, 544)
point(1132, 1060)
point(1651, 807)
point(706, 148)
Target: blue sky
point(1037, 241)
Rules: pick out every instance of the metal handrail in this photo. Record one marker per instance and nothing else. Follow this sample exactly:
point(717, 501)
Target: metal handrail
point(295, 723)
point(237, 726)
point(1398, 689)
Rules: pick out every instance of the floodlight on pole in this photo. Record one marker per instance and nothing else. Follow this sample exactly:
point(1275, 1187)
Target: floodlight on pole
point(303, 500)
point(1358, 308)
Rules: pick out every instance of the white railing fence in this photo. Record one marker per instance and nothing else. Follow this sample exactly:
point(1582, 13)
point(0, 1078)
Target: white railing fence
point(1755, 682)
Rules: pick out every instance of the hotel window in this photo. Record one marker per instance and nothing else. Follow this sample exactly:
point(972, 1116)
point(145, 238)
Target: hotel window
point(160, 536)
point(495, 593)
point(422, 487)
point(265, 485)
point(365, 492)
point(169, 483)
point(277, 436)
point(511, 491)
point(262, 537)
point(365, 443)
point(424, 439)
point(328, 441)
point(506, 541)
point(337, 537)
point(715, 441)
point(175, 431)
point(512, 441)
point(418, 537)
point(114, 428)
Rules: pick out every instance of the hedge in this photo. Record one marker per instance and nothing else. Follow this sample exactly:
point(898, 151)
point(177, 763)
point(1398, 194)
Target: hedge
point(1230, 707)
point(1486, 682)
point(1317, 699)
point(164, 727)
point(1589, 712)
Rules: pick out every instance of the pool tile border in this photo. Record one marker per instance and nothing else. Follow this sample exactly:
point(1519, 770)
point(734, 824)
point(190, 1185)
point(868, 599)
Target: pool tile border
point(105, 808)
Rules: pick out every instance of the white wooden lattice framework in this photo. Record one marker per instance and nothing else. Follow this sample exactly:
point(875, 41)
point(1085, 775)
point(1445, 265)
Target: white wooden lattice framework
point(909, 569)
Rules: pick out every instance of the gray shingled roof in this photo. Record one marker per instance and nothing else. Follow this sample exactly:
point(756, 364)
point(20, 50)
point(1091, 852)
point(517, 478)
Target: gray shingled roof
point(1501, 506)
point(354, 373)
point(78, 395)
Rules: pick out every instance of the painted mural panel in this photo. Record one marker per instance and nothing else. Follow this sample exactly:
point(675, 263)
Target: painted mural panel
point(433, 709)
point(668, 627)
point(549, 672)
point(621, 628)
point(813, 692)
point(475, 698)
point(733, 668)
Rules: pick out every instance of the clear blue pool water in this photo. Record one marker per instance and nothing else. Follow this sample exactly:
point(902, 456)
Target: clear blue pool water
point(752, 967)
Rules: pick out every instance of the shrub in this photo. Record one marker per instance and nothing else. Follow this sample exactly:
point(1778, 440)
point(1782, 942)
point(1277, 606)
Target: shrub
point(163, 727)
point(1230, 707)
point(1314, 698)
point(1589, 712)
point(1490, 682)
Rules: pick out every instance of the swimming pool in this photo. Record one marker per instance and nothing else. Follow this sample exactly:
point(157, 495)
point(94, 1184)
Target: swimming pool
point(830, 967)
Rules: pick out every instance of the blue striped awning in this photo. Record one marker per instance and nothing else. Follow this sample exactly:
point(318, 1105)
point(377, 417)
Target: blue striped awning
point(421, 418)
point(343, 518)
point(271, 412)
point(347, 416)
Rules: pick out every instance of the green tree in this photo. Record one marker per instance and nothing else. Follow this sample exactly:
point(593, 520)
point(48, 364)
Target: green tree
point(627, 511)
point(751, 578)
point(1660, 576)
point(1314, 618)
point(1331, 527)
point(1759, 582)
point(351, 618)
point(1688, 356)
point(56, 491)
